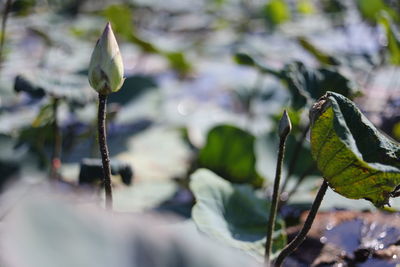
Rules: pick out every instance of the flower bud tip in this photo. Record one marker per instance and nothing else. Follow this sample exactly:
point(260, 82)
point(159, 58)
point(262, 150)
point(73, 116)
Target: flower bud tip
point(285, 125)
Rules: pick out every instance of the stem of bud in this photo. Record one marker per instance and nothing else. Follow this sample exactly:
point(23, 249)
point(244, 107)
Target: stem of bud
point(285, 127)
point(101, 122)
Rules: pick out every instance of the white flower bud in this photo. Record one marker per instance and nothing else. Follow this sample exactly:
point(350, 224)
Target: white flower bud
point(106, 69)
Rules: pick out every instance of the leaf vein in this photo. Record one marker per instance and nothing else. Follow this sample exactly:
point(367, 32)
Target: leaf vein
point(342, 170)
point(331, 157)
point(324, 142)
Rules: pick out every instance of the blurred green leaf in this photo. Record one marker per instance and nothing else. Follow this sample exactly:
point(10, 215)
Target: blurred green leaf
point(307, 84)
point(305, 7)
point(177, 60)
point(277, 12)
point(354, 157)
point(232, 214)
point(229, 152)
point(392, 36)
point(321, 56)
point(45, 116)
point(121, 19)
point(370, 9)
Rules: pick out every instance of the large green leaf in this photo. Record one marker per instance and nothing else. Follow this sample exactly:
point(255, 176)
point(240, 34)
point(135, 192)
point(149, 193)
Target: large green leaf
point(233, 214)
point(354, 157)
point(229, 152)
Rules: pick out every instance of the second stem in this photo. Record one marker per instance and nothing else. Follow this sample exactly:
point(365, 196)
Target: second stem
point(295, 243)
point(284, 130)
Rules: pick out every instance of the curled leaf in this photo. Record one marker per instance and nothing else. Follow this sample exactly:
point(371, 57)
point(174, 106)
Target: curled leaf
point(355, 158)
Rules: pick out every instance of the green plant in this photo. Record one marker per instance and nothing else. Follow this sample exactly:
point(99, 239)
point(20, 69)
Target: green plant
point(355, 159)
point(105, 76)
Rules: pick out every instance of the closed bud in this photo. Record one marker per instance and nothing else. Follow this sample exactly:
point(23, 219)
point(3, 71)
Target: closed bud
point(285, 126)
point(106, 69)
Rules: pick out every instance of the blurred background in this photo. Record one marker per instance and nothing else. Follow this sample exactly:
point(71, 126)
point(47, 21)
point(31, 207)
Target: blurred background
point(206, 84)
point(190, 66)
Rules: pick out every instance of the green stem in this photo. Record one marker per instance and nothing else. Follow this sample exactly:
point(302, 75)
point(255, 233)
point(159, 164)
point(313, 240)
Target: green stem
point(275, 196)
point(6, 11)
point(296, 242)
point(101, 121)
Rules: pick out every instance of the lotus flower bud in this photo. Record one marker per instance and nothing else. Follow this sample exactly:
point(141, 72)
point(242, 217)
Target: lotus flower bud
point(285, 125)
point(106, 69)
